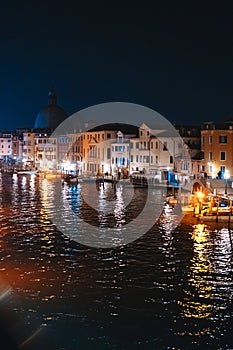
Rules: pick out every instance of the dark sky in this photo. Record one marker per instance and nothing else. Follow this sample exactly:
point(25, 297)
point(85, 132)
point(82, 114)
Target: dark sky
point(175, 57)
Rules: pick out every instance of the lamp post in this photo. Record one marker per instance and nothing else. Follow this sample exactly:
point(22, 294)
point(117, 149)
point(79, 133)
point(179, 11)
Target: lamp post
point(226, 177)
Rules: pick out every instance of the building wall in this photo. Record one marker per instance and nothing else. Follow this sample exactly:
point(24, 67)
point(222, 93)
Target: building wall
point(5, 145)
point(217, 148)
point(29, 146)
point(97, 151)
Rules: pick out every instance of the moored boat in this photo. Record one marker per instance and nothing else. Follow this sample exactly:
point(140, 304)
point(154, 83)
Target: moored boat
point(26, 172)
point(71, 179)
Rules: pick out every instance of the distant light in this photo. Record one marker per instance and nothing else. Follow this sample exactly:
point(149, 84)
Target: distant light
point(226, 174)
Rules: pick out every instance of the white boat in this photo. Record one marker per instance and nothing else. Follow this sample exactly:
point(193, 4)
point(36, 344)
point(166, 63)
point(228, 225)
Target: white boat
point(27, 172)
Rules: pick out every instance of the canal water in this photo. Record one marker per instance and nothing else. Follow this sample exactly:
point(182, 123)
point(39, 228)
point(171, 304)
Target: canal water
point(169, 289)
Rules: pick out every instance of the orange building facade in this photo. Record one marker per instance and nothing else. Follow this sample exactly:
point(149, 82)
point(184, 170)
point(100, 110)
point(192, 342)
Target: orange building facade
point(217, 148)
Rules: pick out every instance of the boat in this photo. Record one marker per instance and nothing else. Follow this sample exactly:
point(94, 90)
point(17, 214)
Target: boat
point(71, 179)
point(26, 172)
point(171, 201)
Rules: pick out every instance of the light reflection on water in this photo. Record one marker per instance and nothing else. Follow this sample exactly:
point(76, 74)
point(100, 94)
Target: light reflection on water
point(169, 289)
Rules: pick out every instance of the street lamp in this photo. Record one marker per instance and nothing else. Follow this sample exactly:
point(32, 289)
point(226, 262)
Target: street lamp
point(226, 177)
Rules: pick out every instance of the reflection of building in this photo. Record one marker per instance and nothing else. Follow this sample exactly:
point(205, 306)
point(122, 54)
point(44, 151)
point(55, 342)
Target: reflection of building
point(217, 147)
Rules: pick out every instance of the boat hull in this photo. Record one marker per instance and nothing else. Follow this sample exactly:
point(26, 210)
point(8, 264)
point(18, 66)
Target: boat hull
point(27, 172)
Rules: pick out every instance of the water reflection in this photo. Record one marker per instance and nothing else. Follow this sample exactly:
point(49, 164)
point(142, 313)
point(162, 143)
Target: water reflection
point(169, 289)
point(199, 286)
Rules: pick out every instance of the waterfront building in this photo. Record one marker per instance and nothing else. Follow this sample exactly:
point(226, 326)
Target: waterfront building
point(74, 152)
point(217, 148)
point(5, 145)
point(17, 146)
point(120, 154)
point(29, 146)
point(153, 152)
point(97, 143)
point(45, 150)
point(189, 163)
point(97, 150)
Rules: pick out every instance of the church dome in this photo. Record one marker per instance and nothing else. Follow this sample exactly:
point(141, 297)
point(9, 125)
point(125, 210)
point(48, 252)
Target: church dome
point(51, 115)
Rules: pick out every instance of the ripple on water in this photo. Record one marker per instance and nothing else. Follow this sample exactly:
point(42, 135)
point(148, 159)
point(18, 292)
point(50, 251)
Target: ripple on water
point(172, 288)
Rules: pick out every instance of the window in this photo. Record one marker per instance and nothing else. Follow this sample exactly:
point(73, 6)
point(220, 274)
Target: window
point(151, 159)
point(136, 159)
point(211, 156)
point(165, 146)
point(156, 159)
point(108, 153)
point(151, 145)
point(210, 139)
point(171, 159)
point(222, 139)
point(137, 145)
point(131, 145)
point(222, 169)
point(222, 155)
point(131, 158)
point(210, 169)
point(108, 135)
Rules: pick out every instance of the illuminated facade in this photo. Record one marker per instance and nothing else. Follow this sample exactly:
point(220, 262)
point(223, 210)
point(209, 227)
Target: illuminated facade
point(5, 145)
point(217, 148)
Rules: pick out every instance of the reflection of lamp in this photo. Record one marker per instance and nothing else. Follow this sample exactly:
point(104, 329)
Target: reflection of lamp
point(226, 177)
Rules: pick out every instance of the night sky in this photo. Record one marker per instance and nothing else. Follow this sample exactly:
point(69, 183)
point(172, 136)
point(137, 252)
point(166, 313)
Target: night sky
point(175, 57)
